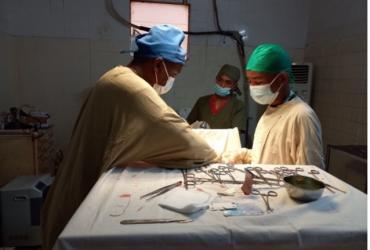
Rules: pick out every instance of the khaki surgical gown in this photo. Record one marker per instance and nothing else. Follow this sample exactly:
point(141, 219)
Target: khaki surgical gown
point(288, 134)
point(122, 120)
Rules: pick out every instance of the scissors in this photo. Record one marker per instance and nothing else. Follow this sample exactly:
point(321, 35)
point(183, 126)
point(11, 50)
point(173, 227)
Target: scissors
point(265, 197)
point(160, 191)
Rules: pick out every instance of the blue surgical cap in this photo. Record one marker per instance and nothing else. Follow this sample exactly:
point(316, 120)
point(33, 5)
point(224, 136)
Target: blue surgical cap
point(162, 41)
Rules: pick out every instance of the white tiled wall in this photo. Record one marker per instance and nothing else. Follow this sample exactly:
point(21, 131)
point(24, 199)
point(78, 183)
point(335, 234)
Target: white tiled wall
point(53, 51)
point(7, 71)
point(337, 47)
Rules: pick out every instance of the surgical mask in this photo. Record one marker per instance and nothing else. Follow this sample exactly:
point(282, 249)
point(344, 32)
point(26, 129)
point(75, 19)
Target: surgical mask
point(161, 90)
point(262, 94)
point(221, 91)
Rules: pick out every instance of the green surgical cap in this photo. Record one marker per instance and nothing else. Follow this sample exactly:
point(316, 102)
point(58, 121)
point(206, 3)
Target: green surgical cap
point(269, 58)
point(231, 71)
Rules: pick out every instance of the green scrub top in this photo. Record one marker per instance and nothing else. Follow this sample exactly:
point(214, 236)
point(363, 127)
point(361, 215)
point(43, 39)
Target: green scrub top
point(230, 116)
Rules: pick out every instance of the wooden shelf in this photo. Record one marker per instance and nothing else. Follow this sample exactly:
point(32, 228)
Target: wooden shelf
point(23, 152)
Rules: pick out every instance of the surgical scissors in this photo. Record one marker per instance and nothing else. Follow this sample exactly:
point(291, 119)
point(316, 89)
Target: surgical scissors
point(161, 190)
point(265, 197)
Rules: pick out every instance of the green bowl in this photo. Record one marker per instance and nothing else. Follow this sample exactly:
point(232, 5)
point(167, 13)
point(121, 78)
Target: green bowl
point(303, 188)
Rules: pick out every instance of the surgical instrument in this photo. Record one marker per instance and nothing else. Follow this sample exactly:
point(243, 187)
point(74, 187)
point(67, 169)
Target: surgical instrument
point(298, 169)
point(161, 190)
point(201, 170)
point(265, 197)
point(258, 177)
point(314, 173)
point(153, 221)
point(260, 173)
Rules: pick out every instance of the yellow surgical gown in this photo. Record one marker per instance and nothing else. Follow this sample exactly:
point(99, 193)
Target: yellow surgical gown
point(288, 134)
point(122, 120)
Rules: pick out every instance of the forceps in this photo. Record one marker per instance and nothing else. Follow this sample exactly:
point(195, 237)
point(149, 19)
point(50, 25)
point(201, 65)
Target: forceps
point(201, 170)
point(161, 190)
point(260, 173)
point(265, 197)
point(274, 180)
point(153, 221)
point(298, 169)
point(314, 173)
point(223, 170)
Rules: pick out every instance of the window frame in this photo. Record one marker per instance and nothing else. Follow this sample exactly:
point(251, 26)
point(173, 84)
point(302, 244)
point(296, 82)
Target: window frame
point(132, 30)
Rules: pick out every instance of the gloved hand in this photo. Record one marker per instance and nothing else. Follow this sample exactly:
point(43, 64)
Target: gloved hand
point(239, 156)
point(200, 124)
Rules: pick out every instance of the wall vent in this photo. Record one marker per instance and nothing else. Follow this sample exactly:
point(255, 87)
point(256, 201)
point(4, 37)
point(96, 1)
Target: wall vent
point(303, 80)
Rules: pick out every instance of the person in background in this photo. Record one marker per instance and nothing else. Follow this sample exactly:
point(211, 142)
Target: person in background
point(289, 131)
point(124, 122)
point(221, 109)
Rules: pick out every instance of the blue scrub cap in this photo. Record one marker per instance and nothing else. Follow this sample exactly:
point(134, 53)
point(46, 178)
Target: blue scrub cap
point(162, 41)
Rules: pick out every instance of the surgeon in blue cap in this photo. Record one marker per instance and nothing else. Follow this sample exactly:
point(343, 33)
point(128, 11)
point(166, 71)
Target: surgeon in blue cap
point(125, 122)
point(160, 57)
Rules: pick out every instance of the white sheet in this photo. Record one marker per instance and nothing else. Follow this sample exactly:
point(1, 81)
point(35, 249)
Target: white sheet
point(335, 221)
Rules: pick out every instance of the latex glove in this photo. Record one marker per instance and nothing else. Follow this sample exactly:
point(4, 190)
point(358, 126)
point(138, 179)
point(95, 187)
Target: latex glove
point(199, 124)
point(239, 156)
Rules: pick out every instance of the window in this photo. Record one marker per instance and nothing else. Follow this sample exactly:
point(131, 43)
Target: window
point(149, 14)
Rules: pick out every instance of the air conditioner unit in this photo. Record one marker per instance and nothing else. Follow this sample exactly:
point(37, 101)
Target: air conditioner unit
point(303, 80)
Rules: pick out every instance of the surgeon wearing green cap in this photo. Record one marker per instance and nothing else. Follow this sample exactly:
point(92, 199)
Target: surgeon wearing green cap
point(288, 132)
point(222, 109)
point(125, 122)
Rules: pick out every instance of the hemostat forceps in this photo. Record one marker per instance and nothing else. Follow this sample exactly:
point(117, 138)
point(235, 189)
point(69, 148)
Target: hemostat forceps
point(265, 197)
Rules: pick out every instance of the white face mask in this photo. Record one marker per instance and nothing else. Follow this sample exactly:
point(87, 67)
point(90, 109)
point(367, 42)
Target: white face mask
point(262, 94)
point(161, 90)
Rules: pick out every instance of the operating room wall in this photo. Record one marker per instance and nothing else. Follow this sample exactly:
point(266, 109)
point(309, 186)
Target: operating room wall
point(337, 46)
point(7, 70)
point(56, 49)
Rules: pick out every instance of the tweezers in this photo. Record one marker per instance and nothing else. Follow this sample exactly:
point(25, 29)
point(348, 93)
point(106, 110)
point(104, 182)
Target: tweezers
point(154, 221)
point(161, 190)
